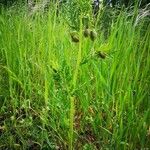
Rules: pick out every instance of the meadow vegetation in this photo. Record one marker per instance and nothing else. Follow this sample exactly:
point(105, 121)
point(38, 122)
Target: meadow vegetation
point(59, 94)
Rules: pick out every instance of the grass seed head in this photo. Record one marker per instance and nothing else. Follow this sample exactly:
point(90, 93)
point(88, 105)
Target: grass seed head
point(74, 37)
point(101, 54)
point(86, 32)
point(93, 35)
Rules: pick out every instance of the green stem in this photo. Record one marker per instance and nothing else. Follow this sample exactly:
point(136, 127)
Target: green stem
point(72, 97)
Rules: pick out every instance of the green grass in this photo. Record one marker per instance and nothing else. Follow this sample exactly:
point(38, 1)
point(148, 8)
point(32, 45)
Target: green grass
point(56, 94)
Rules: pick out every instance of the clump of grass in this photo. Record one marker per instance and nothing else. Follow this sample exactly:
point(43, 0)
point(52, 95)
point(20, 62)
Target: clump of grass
point(52, 88)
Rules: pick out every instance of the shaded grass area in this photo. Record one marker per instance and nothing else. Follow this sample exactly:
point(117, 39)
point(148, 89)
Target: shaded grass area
point(37, 68)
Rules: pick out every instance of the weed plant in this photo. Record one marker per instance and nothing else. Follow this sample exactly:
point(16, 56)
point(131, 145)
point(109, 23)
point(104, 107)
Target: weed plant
point(56, 94)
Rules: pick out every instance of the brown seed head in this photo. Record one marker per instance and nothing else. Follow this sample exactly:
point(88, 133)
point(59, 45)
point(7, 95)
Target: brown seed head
point(74, 37)
point(101, 54)
point(93, 35)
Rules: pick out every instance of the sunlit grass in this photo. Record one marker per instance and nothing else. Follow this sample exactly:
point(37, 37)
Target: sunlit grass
point(56, 94)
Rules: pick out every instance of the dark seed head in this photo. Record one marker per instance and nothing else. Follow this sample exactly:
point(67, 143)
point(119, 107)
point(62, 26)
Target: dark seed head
point(74, 37)
point(86, 32)
point(93, 35)
point(101, 54)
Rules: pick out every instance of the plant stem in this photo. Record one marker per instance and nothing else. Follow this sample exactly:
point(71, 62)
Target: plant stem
point(72, 97)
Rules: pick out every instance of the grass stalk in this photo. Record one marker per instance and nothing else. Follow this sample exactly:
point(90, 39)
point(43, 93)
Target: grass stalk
point(74, 81)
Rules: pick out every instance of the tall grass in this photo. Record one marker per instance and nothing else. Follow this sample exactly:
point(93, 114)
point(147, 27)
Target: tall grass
point(51, 100)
